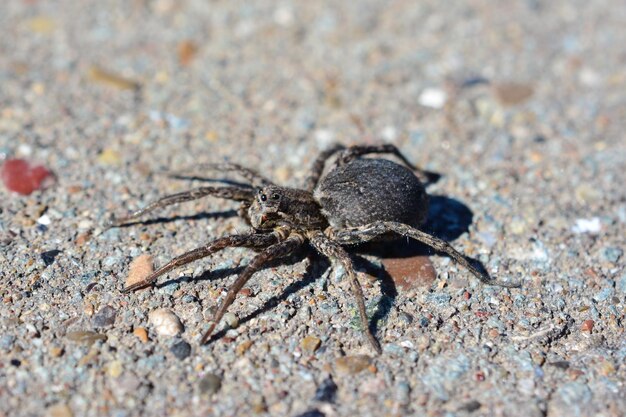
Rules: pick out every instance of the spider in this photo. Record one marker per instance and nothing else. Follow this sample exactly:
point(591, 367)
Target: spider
point(355, 201)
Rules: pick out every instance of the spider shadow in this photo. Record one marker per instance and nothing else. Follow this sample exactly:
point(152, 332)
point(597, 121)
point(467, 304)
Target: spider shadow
point(315, 269)
point(209, 180)
point(311, 274)
point(388, 290)
point(199, 216)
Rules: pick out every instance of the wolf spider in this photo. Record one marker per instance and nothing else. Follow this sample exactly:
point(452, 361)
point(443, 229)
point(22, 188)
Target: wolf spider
point(357, 200)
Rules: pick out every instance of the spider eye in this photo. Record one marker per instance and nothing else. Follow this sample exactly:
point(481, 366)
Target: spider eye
point(275, 196)
point(263, 197)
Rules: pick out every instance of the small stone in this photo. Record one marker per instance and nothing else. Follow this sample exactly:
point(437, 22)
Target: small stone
point(139, 268)
point(105, 317)
point(606, 368)
point(243, 347)
point(6, 342)
point(165, 322)
point(493, 333)
point(587, 326)
point(433, 97)
point(109, 157)
point(592, 226)
point(246, 292)
point(512, 93)
point(210, 384)
point(23, 178)
point(42, 24)
point(326, 391)
point(353, 364)
point(115, 369)
point(111, 79)
point(310, 344)
point(181, 349)
point(187, 50)
point(49, 256)
point(411, 272)
point(142, 334)
point(232, 320)
point(59, 410)
point(55, 351)
point(587, 194)
point(85, 337)
point(612, 253)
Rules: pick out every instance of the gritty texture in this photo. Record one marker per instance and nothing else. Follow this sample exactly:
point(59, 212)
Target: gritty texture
point(520, 106)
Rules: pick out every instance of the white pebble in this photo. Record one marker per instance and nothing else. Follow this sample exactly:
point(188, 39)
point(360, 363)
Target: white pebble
point(165, 322)
point(592, 226)
point(44, 220)
point(433, 97)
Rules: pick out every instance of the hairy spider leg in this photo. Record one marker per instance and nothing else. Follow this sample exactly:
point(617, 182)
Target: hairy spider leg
point(356, 151)
point(334, 251)
point(318, 166)
point(255, 179)
point(277, 250)
point(251, 240)
point(356, 235)
point(353, 152)
point(230, 193)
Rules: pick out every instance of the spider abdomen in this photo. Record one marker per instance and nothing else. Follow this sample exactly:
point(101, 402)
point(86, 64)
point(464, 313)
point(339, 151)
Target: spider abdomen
point(368, 190)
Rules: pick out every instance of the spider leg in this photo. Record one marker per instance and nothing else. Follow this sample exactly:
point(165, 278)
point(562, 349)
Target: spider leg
point(275, 251)
point(355, 235)
point(252, 240)
point(334, 251)
point(356, 151)
point(255, 179)
point(230, 193)
point(318, 166)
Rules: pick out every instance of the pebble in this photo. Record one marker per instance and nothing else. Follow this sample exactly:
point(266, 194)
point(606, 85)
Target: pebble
point(55, 351)
point(403, 393)
point(434, 98)
point(232, 320)
point(612, 253)
point(142, 334)
point(115, 369)
point(165, 322)
point(587, 326)
point(592, 226)
point(353, 364)
point(85, 337)
point(6, 342)
point(102, 76)
point(110, 261)
point(441, 299)
point(243, 347)
point(210, 384)
point(181, 349)
point(109, 157)
point(621, 283)
point(139, 268)
point(23, 178)
point(310, 344)
point(512, 93)
point(105, 317)
point(411, 272)
point(60, 410)
point(326, 391)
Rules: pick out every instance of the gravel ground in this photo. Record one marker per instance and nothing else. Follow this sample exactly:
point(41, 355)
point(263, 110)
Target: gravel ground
point(520, 106)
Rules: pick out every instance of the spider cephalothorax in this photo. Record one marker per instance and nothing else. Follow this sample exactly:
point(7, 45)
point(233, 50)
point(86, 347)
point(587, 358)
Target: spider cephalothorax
point(355, 201)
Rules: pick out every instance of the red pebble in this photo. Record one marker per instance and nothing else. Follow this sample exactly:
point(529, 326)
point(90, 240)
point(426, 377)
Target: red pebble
point(19, 176)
